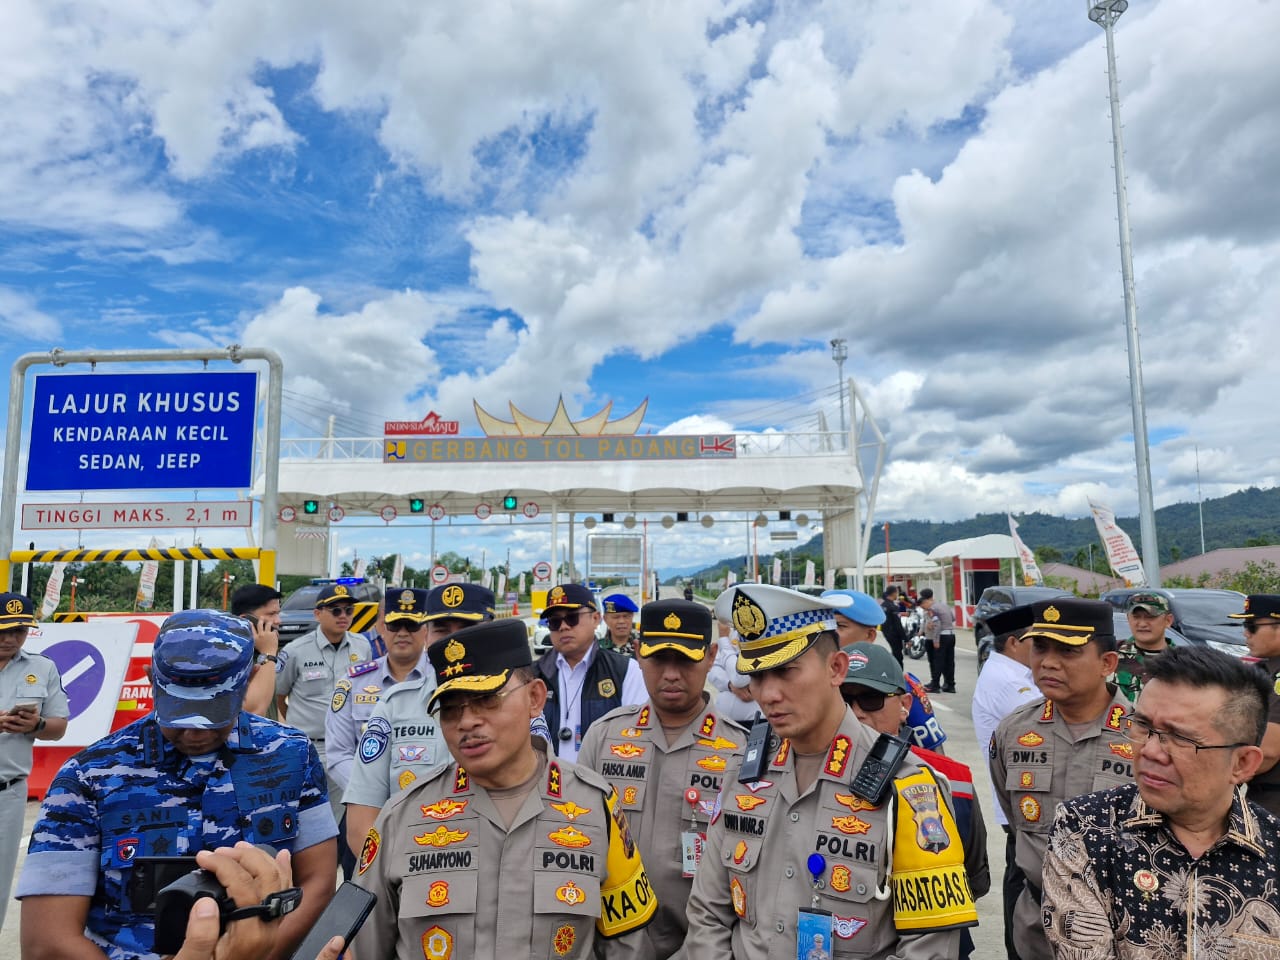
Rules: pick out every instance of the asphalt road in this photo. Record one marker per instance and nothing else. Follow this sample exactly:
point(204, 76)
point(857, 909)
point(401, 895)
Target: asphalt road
point(953, 713)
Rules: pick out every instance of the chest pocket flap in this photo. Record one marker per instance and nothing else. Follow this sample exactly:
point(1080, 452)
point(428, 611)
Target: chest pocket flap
point(428, 895)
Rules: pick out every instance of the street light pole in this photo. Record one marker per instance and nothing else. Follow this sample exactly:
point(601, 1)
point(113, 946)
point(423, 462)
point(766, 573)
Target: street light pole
point(840, 353)
point(1105, 13)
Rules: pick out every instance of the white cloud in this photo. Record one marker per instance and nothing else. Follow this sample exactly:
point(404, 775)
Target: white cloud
point(21, 318)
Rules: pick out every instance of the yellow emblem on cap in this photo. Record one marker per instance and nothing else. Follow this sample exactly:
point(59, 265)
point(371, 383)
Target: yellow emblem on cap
point(340, 591)
point(748, 619)
point(672, 622)
point(13, 606)
point(557, 595)
point(454, 651)
point(406, 599)
point(452, 596)
point(1052, 615)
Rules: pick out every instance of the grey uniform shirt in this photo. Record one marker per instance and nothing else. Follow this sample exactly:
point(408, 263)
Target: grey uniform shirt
point(28, 678)
point(754, 876)
point(354, 699)
point(310, 667)
point(628, 747)
point(1036, 764)
point(453, 881)
point(400, 743)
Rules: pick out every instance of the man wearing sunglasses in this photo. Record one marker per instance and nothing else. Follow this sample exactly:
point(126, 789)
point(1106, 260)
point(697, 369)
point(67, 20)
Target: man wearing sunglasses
point(505, 852)
point(1067, 743)
point(664, 757)
point(583, 681)
point(400, 741)
point(1181, 863)
point(1261, 618)
point(311, 666)
point(356, 695)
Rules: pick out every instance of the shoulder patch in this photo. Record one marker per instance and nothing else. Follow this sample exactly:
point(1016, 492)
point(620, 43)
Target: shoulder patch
point(374, 742)
point(360, 669)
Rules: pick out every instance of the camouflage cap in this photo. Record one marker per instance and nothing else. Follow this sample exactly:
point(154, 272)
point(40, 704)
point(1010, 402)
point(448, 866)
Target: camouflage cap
point(200, 666)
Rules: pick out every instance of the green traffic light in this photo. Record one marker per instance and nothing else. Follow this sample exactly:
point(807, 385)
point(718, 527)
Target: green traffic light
point(417, 505)
point(509, 502)
point(310, 506)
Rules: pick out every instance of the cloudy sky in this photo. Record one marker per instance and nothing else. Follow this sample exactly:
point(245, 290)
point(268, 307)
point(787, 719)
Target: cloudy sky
point(421, 204)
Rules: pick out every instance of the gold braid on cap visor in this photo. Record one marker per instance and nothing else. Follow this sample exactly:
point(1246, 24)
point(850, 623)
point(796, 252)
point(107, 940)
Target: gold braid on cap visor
point(768, 652)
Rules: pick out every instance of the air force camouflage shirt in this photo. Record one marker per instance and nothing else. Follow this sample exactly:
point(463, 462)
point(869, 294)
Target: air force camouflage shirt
point(1117, 884)
point(132, 794)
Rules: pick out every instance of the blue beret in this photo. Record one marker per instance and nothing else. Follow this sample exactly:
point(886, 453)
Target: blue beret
point(619, 603)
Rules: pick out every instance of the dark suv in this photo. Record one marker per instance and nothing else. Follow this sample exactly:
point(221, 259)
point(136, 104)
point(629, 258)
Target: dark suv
point(999, 599)
point(1199, 615)
point(298, 610)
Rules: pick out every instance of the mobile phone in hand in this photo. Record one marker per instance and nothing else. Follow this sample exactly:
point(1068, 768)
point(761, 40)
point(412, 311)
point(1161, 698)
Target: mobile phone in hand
point(343, 917)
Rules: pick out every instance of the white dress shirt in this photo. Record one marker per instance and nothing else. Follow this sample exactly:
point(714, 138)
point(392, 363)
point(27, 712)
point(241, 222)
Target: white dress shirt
point(572, 680)
point(1003, 685)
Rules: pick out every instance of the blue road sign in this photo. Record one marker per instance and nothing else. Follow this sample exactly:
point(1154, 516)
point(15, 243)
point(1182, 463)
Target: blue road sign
point(142, 431)
point(83, 672)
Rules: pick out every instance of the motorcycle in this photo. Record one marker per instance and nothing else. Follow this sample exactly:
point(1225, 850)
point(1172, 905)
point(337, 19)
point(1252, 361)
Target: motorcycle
point(913, 624)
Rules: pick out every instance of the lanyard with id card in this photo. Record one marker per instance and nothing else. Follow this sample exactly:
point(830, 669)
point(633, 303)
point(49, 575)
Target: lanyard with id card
point(692, 840)
point(814, 926)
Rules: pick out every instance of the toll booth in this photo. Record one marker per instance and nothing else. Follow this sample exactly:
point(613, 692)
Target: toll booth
point(974, 565)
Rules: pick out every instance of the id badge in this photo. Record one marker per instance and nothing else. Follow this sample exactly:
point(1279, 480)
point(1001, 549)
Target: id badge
point(691, 845)
point(813, 935)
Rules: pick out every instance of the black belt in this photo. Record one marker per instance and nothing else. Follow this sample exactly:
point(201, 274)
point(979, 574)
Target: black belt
point(9, 783)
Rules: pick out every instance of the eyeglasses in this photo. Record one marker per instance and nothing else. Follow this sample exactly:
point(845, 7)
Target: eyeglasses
point(342, 611)
point(868, 701)
point(1137, 730)
point(569, 620)
point(484, 703)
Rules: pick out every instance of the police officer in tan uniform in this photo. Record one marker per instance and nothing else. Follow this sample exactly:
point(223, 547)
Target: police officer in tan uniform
point(504, 852)
point(666, 757)
point(1065, 744)
point(812, 836)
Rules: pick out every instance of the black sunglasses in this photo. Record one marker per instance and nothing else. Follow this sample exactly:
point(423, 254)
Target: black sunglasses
point(569, 620)
point(340, 611)
point(868, 701)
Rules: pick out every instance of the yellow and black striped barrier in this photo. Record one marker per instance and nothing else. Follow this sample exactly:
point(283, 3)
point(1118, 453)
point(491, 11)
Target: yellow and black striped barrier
point(266, 558)
point(365, 617)
point(67, 617)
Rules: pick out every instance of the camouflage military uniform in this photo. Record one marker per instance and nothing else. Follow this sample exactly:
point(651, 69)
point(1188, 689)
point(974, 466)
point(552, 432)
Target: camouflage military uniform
point(133, 794)
point(453, 881)
point(666, 791)
point(1132, 668)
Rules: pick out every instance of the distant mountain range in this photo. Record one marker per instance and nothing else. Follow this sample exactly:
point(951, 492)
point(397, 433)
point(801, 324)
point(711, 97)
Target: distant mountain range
point(1246, 518)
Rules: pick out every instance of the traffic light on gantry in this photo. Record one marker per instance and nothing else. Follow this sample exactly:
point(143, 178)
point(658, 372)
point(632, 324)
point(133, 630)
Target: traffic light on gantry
point(311, 506)
point(509, 502)
point(417, 505)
